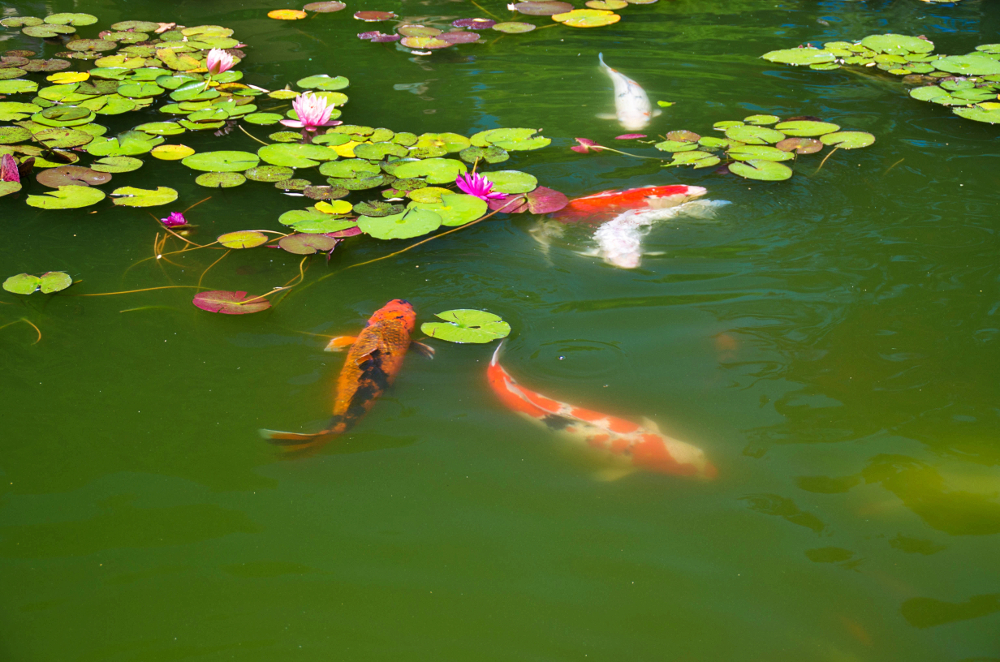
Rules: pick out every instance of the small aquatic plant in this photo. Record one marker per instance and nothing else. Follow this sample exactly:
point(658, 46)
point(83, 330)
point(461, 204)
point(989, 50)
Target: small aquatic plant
point(174, 219)
point(313, 112)
point(478, 186)
point(218, 61)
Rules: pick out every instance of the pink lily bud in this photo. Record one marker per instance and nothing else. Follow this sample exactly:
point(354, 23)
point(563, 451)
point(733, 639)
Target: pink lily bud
point(218, 61)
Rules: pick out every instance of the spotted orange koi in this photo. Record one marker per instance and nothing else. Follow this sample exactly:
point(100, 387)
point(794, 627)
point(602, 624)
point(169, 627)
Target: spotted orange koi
point(634, 445)
point(603, 206)
point(373, 361)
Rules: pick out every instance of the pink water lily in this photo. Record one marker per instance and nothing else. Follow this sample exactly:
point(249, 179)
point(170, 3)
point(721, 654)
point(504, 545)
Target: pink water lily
point(313, 112)
point(175, 219)
point(219, 61)
point(8, 169)
point(479, 186)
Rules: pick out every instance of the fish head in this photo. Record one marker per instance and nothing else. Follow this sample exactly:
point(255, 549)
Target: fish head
point(633, 120)
point(400, 309)
point(630, 260)
point(664, 197)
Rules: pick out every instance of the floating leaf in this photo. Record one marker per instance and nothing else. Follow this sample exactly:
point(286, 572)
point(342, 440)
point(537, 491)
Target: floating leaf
point(426, 194)
point(754, 135)
point(22, 284)
point(800, 145)
point(897, 44)
point(761, 120)
point(71, 175)
point(13, 110)
point(374, 16)
point(348, 169)
point(6, 188)
point(67, 197)
point(963, 65)
point(545, 200)
point(761, 170)
point(765, 152)
point(848, 139)
point(71, 19)
point(455, 209)
point(325, 225)
point(223, 161)
point(474, 23)
point(587, 18)
point(230, 303)
point(437, 171)
point(295, 156)
point(220, 179)
point(409, 224)
point(325, 7)
point(803, 128)
point(286, 14)
point(336, 207)
point(161, 128)
point(172, 152)
point(799, 56)
point(17, 86)
point(379, 151)
point(417, 31)
point(543, 8)
point(606, 4)
point(675, 146)
point(510, 139)
point(695, 159)
point(116, 164)
point(378, 209)
point(243, 239)
point(979, 114)
point(323, 82)
point(130, 196)
point(513, 27)
point(467, 326)
point(269, 173)
point(511, 181)
point(491, 154)
point(55, 281)
point(307, 244)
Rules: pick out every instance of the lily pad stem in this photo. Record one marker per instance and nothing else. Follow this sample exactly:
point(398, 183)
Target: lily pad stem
point(212, 265)
point(251, 135)
point(486, 11)
point(824, 160)
point(25, 320)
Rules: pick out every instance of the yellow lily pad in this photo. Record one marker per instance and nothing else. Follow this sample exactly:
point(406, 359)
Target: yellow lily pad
point(64, 77)
point(587, 18)
point(345, 151)
point(171, 152)
point(606, 4)
point(286, 14)
point(243, 239)
point(335, 207)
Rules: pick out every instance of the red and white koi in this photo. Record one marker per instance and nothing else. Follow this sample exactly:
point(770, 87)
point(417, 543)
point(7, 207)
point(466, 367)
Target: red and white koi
point(630, 446)
point(603, 206)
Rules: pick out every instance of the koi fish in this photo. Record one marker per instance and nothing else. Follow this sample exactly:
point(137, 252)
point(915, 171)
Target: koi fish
point(632, 446)
point(619, 241)
point(632, 108)
point(374, 359)
point(603, 206)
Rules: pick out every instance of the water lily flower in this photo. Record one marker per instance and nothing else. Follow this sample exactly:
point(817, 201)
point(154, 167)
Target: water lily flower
point(218, 61)
point(479, 186)
point(313, 112)
point(175, 219)
point(585, 146)
point(8, 169)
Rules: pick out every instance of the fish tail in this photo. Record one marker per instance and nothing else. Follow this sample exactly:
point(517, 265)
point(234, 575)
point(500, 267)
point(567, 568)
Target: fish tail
point(496, 355)
point(600, 58)
point(298, 440)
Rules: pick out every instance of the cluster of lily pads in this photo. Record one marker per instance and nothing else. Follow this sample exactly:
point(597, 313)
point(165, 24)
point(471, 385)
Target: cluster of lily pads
point(969, 84)
point(754, 148)
point(443, 32)
point(409, 178)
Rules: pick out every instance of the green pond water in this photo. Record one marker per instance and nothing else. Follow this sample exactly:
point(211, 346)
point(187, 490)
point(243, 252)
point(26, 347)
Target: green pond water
point(832, 343)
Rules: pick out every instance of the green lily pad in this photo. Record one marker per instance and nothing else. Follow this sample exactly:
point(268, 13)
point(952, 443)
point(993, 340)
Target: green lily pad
point(764, 152)
point(897, 44)
point(55, 281)
point(799, 56)
point(11, 135)
point(761, 170)
point(324, 225)
point(806, 128)
point(264, 119)
point(963, 65)
point(220, 179)
point(129, 196)
point(754, 135)
point(978, 114)
point(21, 21)
point(361, 182)
point(161, 128)
point(293, 184)
point(223, 161)
point(675, 146)
point(378, 151)
point(848, 139)
point(116, 164)
point(349, 168)
point(307, 244)
point(331, 139)
point(11, 111)
point(47, 31)
point(295, 156)
point(230, 303)
point(22, 284)
point(296, 216)
point(17, 86)
point(455, 209)
point(438, 144)
point(513, 27)
point(377, 209)
point(63, 138)
point(129, 143)
point(510, 139)
point(139, 90)
point(71, 19)
point(409, 224)
point(67, 197)
point(761, 120)
point(242, 238)
point(696, 159)
point(467, 326)
point(323, 82)
point(6, 188)
point(510, 181)
point(587, 18)
point(7, 74)
point(491, 154)
point(405, 138)
point(269, 173)
point(800, 145)
point(436, 171)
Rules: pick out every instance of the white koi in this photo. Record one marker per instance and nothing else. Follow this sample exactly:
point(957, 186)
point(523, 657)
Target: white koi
point(632, 107)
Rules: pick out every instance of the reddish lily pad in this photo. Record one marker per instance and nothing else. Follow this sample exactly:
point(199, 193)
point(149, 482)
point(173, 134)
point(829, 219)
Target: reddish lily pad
point(55, 64)
point(417, 31)
point(630, 136)
point(378, 37)
point(515, 204)
point(229, 303)
point(325, 7)
point(374, 16)
point(800, 145)
point(352, 231)
point(424, 43)
point(474, 23)
point(544, 200)
point(543, 7)
point(308, 244)
point(71, 175)
point(459, 37)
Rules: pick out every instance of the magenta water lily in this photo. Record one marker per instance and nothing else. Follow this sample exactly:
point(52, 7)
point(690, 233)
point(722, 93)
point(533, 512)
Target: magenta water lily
point(175, 219)
point(479, 186)
point(8, 169)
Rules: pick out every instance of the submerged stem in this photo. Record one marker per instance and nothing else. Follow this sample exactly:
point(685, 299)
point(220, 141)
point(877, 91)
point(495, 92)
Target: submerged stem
point(29, 323)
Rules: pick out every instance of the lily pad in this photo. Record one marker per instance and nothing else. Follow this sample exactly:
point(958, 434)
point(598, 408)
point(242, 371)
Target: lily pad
point(349, 169)
point(754, 135)
point(695, 159)
point(6, 188)
point(335, 207)
point(491, 154)
point(409, 224)
point(438, 144)
point(325, 7)
point(897, 44)
point(116, 164)
point(129, 196)
point(799, 56)
point(474, 23)
point(511, 181)
point(286, 14)
point(802, 128)
point(543, 8)
point(761, 170)
point(71, 175)
point(761, 120)
point(510, 139)
point(379, 151)
point(800, 145)
point(374, 16)
point(220, 179)
point(979, 114)
point(230, 303)
point(22, 284)
point(544, 200)
point(467, 326)
point(848, 139)
point(243, 239)
point(455, 209)
point(962, 65)
point(295, 156)
point(264, 119)
point(436, 171)
point(426, 194)
point(307, 244)
point(17, 86)
point(675, 146)
point(12, 110)
point(378, 209)
point(513, 27)
point(223, 161)
point(67, 197)
point(171, 152)
point(459, 37)
point(323, 82)
point(269, 173)
point(71, 19)
point(764, 152)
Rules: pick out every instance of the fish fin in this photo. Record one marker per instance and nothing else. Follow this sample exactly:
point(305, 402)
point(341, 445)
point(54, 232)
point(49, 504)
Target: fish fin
point(340, 343)
point(423, 349)
point(649, 424)
point(606, 116)
point(593, 252)
point(288, 439)
point(612, 474)
point(655, 253)
point(657, 112)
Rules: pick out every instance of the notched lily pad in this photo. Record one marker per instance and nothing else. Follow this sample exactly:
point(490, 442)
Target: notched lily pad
point(464, 325)
point(243, 239)
point(70, 175)
point(409, 224)
point(307, 244)
point(230, 303)
point(67, 197)
point(129, 196)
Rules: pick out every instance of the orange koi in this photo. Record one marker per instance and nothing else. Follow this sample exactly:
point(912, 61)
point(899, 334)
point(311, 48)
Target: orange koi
point(605, 205)
point(373, 361)
point(636, 446)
